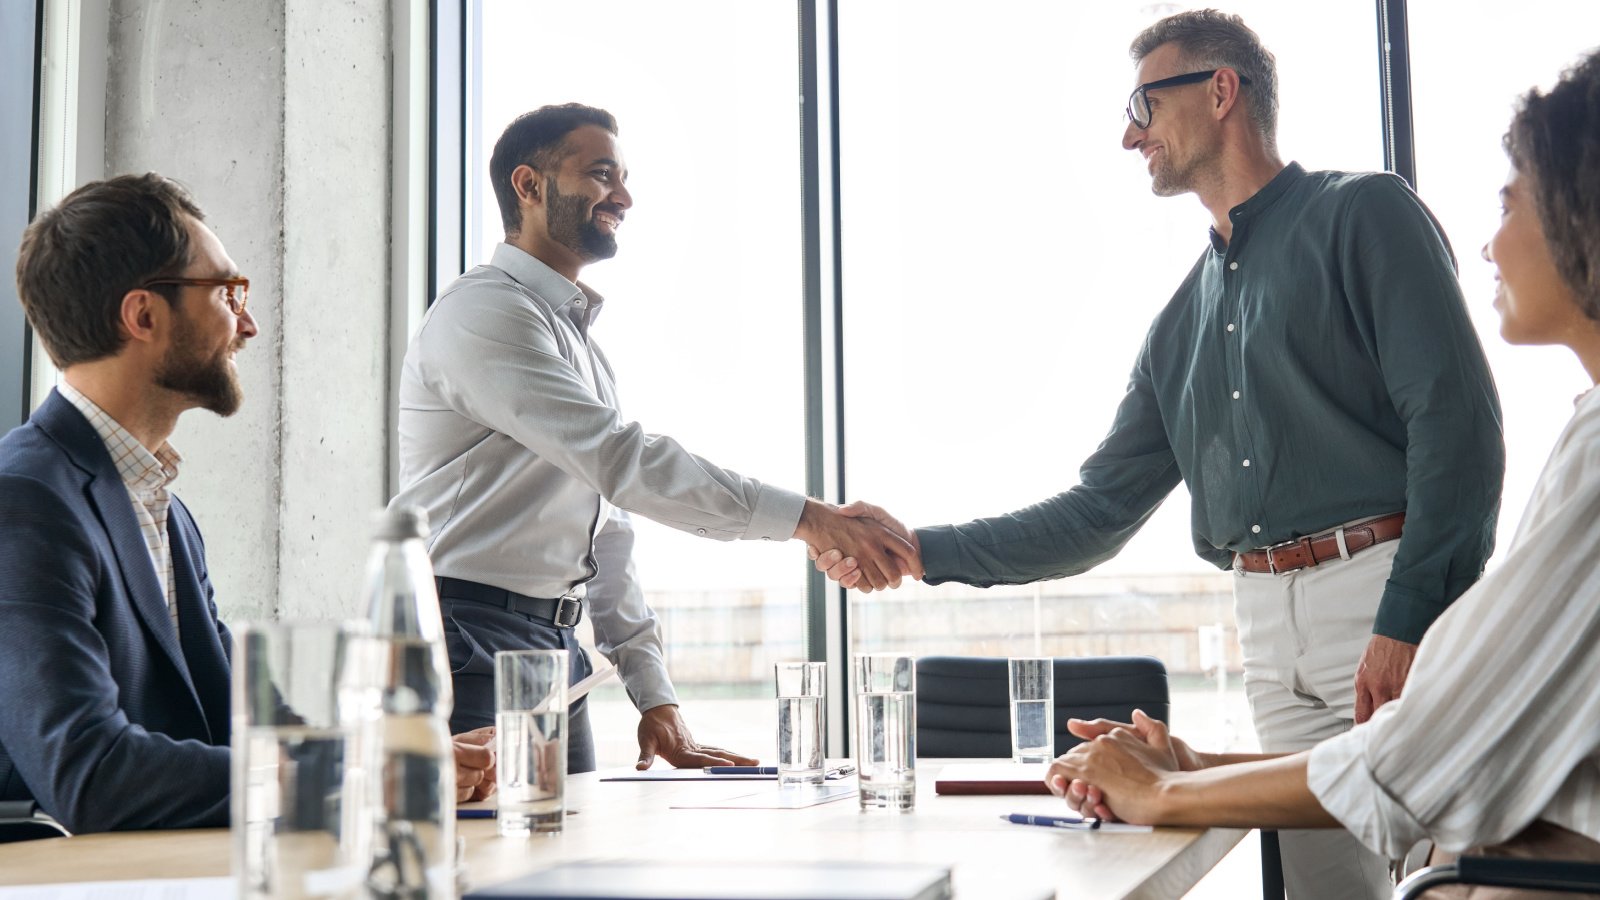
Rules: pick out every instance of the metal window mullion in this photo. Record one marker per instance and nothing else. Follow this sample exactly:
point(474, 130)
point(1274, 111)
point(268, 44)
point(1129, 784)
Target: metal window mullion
point(1394, 83)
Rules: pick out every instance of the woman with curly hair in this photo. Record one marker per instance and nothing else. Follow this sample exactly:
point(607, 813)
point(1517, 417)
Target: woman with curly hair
point(1494, 748)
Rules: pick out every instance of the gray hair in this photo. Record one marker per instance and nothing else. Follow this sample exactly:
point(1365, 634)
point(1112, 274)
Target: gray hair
point(1210, 39)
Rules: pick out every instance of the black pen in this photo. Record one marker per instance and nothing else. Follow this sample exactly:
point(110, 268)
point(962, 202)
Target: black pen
point(475, 813)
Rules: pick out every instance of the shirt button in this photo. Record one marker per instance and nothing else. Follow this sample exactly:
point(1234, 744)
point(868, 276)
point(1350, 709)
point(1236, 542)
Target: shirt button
point(1247, 464)
point(1233, 266)
point(1235, 395)
point(1255, 529)
point(1230, 326)
point(700, 531)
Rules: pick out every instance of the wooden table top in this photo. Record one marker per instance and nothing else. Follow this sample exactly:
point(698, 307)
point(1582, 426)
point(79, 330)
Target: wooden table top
point(988, 857)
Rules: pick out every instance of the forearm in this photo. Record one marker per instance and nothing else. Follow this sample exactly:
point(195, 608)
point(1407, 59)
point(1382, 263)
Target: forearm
point(1208, 760)
point(1264, 792)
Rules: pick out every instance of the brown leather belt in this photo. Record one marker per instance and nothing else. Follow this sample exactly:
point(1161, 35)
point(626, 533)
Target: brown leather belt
point(1309, 551)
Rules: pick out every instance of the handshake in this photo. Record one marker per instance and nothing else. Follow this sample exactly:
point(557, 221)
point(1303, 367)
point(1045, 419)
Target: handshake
point(859, 545)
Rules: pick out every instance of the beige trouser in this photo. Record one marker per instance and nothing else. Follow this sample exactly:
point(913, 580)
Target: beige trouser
point(1303, 633)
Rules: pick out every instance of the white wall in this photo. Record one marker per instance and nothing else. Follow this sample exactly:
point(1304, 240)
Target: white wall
point(276, 114)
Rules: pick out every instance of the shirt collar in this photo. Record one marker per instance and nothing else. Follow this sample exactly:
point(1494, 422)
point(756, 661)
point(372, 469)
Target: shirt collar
point(546, 283)
point(1259, 201)
point(141, 470)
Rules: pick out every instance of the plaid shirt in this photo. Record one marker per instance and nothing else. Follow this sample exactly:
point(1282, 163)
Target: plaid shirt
point(146, 476)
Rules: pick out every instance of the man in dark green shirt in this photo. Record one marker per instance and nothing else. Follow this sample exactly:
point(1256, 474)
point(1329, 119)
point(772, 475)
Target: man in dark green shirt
point(1316, 376)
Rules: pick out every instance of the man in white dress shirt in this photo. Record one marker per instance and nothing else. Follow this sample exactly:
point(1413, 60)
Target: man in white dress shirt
point(512, 439)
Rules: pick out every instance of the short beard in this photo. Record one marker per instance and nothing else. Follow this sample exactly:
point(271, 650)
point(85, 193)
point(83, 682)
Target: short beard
point(570, 228)
point(1168, 181)
point(212, 383)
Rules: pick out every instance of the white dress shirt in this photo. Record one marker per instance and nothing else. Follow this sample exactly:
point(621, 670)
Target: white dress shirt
point(147, 476)
point(512, 439)
point(1499, 724)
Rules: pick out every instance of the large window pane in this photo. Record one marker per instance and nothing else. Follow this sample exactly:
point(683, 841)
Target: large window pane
point(1003, 258)
point(1461, 113)
point(703, 315)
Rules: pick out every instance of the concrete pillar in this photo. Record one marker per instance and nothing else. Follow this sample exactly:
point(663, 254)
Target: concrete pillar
point(276, 114)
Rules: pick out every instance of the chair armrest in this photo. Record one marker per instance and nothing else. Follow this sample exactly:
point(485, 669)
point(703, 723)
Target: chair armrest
point(1542, 874)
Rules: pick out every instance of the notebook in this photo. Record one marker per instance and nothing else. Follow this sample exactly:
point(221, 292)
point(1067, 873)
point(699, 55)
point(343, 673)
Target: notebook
point(634, 880)
point(992, 778)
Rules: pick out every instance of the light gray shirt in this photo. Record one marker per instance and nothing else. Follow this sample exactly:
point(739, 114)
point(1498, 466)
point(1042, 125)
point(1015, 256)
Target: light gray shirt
point(512, 439)
point(1500, 721)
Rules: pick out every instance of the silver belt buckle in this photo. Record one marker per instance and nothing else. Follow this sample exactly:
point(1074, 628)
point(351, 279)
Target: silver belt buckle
point(569, 611)
point(1272, 562)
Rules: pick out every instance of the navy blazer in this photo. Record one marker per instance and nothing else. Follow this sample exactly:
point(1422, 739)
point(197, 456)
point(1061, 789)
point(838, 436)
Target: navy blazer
point(107, 720)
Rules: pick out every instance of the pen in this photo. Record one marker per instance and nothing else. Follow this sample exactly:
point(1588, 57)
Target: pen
point(835, 772)
point(475, 813)
point(1089, 824)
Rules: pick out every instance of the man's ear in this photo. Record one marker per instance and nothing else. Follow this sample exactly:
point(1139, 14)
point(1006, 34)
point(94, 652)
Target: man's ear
point(143, 314)
point(1225, 89)
point(526, 181)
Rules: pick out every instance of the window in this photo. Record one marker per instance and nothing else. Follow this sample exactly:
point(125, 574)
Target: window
point(18, 68)
point(1461, 113)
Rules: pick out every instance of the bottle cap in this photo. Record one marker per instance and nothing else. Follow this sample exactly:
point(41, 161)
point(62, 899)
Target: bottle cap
point(401, 524)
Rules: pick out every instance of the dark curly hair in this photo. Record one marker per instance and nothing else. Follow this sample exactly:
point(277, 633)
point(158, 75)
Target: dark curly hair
point(1555, 139)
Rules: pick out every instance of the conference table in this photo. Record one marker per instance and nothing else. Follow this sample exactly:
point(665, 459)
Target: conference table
point(637, 820)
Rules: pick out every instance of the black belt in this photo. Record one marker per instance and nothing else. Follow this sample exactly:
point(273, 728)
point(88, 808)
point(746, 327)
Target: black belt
point(563, 612)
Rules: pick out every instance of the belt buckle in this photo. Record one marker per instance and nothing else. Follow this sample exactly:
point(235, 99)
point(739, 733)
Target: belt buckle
point(1272, 564)
point(569, 611)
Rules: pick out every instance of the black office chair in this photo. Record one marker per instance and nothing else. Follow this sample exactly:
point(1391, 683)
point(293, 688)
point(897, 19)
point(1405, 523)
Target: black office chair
point(964, 702)
point(21, 820)
point(1531, 874)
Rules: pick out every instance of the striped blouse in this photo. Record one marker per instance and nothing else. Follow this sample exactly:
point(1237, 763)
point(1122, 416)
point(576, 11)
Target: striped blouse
point(1500, 721)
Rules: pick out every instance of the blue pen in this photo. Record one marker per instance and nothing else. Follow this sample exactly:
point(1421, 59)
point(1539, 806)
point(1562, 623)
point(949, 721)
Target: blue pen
point(742, 770)
point(1053, 821)
point(475, 813)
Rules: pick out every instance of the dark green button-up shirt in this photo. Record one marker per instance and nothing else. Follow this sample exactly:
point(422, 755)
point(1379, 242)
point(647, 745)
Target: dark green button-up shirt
point(1317, 369)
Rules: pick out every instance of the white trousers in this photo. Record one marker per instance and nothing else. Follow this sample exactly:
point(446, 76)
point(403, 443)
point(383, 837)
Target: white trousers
point(1303, 634)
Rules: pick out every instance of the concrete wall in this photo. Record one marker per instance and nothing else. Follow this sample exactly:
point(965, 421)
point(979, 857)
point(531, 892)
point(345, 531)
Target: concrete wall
point(276, 114)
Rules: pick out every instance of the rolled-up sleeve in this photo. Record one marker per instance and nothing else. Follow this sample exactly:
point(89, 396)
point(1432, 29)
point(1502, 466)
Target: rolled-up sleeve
point(1500, 721)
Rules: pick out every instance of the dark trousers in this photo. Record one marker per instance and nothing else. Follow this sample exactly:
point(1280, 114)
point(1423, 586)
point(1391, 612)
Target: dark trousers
point(473, 633)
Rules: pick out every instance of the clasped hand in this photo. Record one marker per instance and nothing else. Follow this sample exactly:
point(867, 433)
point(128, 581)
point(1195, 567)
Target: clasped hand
point(1117, 772)
point(861, 546)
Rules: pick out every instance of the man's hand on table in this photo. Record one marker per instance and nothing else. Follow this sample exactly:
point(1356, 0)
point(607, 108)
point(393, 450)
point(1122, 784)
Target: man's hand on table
point(662, 732)
point(475, 775)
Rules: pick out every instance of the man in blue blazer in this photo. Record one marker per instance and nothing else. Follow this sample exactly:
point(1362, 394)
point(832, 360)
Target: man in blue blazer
point(114, 668)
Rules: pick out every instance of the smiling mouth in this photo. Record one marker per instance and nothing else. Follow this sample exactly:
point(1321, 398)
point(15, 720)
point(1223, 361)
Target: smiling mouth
point(609, 220)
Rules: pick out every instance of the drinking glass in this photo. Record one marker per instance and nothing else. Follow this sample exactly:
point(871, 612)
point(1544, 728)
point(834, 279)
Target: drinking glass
point(1032, 709)
point(886, 730)
point(800, 722)
point(530, 720)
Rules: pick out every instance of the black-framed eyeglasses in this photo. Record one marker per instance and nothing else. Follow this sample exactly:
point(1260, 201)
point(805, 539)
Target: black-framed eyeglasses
point(1139, 101)
point(236, 291)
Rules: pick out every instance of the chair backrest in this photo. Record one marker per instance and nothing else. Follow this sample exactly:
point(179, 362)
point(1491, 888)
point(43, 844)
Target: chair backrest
point(21, 820)
point(964, 702)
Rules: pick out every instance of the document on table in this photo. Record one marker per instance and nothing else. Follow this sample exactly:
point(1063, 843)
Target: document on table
point(797, 797)
point(144, 889)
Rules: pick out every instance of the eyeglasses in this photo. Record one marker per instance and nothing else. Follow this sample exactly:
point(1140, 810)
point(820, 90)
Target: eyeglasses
point(1139, 101)
point(236, 290)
